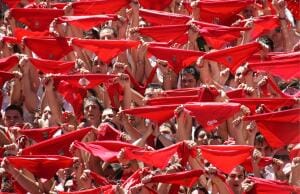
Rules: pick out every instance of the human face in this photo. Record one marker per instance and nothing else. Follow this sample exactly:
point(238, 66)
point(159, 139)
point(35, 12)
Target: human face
point(12, 118)
point(107, 34)
point(92, 113)
point(107, 115)
point(188, 81)
point(264, 148)
point(202, 138)
point(99, 67)
point(235, 179)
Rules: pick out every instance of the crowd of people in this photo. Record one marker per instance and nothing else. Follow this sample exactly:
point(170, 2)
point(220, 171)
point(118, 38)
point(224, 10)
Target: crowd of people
point(150, 96)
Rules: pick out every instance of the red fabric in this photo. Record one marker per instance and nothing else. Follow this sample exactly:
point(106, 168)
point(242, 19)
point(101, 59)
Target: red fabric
point(294, 7)
point(135, 178)
point(290, 55)
point(295, 152)
point(73, 95)
point(85, 81)
point(265, 161)
point(226, 157)
point(264, 186)
point(20, 33)
point(173, 100)
point(238, 93)
point(164, 33)
point(177, 58)
point(163, 18)
point(235, 56)
point(99, 179)
point(8, 63)
point(5, 76)
point(185, 178)
point(106, 50)
point(50, 66)
point(98, 7)
point(48, 48)
point(13, 3)
point(35, 164)
point(221, 12)
point(155, 4)
point(158, 158)
point(106, 150)
point(86, 22)
point(279, 128)
point(40, 134)
point(211, 114)
point(263, 25)
point(286, 69)
point(220, 37)
point(184, 96)
point(36, 19)
point(271, 103)
point(158, 113)
point(206, 93)
point(58, 145)
point(107, 132)
point(9, 39)
point(87, 191)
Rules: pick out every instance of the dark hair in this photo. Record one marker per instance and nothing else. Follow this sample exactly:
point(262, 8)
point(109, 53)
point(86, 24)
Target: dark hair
point(94, 99)
point(16, 108)
point(266, 40)
point(191, 70)
point(94, 33)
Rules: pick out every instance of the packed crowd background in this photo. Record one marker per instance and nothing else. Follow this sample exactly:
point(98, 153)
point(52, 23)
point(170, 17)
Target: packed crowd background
point(150, 96)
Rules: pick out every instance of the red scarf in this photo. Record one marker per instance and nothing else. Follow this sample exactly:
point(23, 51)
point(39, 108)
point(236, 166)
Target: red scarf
point(211, 114)
point(35, 164)
point(264, 186)
point(51, 66)
point(185, 178)
point(58, 145)
point(177, 58)
point(293, 6)
point(221, 12)
point(86, 22)
point(164, 33)
point(157, 158)
point(271, 103)
point(163, 18)
point(35, 18)
point(226, 157)
point(290, 55)
point(87, 191)
point(235, 56)
point(9, 40)
point(20, 33)
point(48, 48)
point(106, 50)
point(274, 127)
point(155, 4)
point(286, 69)
point(262, 25)
point(106, 150)
point(107, 132)
point(8, 63)
point(39, 134)
point(218, 37)
point(98, 7)
point(264, 161)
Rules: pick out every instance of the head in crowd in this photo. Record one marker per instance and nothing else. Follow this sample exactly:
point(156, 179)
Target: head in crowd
point(189, 77)
point(92, 111)
point(13, 116)
point(108, 33)
point(235, 179)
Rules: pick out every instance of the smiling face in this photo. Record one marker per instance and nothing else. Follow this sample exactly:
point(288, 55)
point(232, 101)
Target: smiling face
point(235, 179)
